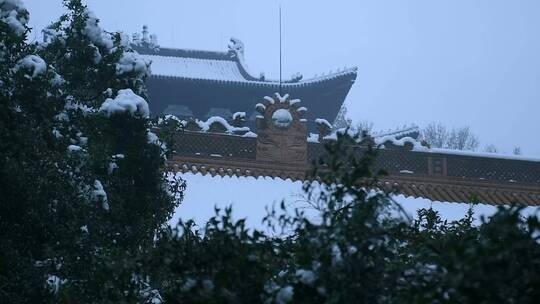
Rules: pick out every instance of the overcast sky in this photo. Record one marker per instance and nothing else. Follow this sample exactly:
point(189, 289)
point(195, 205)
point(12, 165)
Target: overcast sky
point(461, 62)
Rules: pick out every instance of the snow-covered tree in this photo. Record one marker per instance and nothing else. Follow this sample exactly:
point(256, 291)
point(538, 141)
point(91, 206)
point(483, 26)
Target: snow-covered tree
point(85, 186)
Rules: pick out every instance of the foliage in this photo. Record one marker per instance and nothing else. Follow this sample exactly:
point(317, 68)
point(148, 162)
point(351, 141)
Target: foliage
point(361, 248)
point(84, 191)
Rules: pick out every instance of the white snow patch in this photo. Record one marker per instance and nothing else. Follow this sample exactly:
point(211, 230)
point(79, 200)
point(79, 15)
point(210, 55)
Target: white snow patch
point(313, 138)
point(57, 133)
point(322, 121)
point(13, 13)
point(188, 285)
point(54, 282)
point(260, 107)
point(417, 146)
point(62, 116)
point(294, 101)
point(269, 99)
point(285, 295)
point(481, 154)
point(306, 277)
point(95, 32)
point(336, 255)
point(153, 138)
point(58, 80)
point(99, 194)
point(283, 98)
point(342, 131)
point(239, 115)
point(32, 63)
point(406, 172)
point(205, 125)
point(195, 68)
point(74, 148)
point(71, 105)
point(250, 134)
point(126, 101)
point(131, 62)
point(301, 110)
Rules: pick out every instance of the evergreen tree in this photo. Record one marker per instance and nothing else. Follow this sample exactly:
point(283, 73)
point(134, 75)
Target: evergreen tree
point(85, 188)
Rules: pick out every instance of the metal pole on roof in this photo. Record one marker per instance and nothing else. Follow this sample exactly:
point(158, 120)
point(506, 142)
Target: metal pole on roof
point(280, 49)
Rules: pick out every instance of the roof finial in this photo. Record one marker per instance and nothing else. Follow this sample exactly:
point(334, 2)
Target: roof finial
point(145, 37)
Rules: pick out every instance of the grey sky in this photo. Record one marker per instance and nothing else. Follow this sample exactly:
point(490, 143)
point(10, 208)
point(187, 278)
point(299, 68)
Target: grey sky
point(460, 62)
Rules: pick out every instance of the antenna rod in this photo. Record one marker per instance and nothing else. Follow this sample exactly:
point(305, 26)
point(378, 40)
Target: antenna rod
point(280, 49)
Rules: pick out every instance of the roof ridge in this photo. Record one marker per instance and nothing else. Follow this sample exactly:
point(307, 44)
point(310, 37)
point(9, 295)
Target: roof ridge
point(306, 82)
point(184, 53)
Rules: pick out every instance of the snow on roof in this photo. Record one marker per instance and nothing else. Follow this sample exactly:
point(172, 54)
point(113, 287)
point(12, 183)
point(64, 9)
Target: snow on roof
point(399, 132)
point(418, 147)
point(481, 154)
point(195, 68)
point(219, 66)
point(205, 125)
point(239, 115)
point(322, 121)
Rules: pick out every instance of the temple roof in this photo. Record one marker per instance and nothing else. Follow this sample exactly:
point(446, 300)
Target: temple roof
point(190, 83)
point(220, 66)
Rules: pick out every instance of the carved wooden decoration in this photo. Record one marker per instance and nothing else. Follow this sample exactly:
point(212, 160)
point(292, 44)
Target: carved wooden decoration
point(281, 130)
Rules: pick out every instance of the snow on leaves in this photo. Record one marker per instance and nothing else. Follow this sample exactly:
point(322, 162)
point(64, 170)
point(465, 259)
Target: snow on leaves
point(99, 195)
point(14, 14)
point(33, 65)
point(95, 32)
point(131, 62)
point(126, 102)
point(285, 295)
